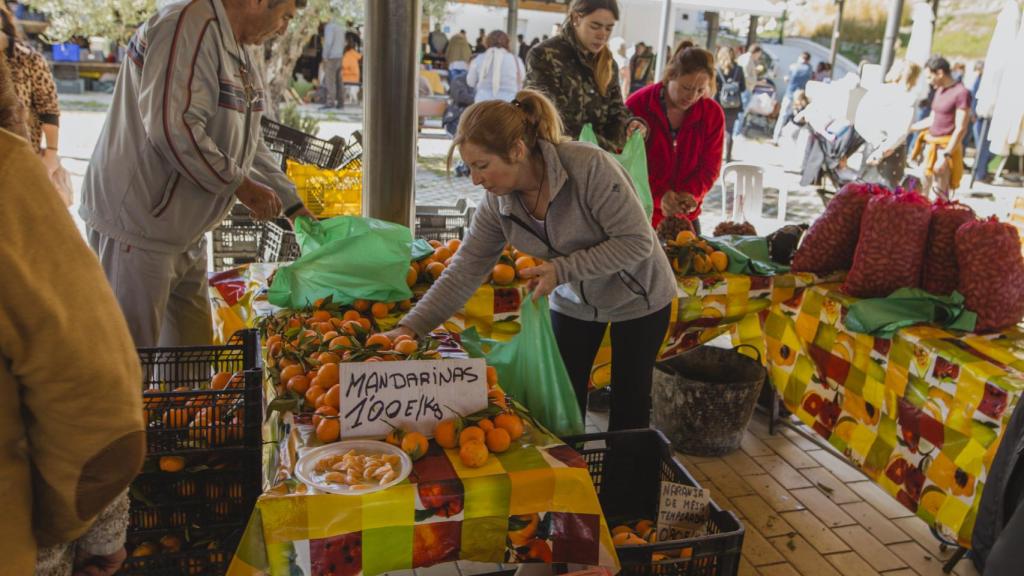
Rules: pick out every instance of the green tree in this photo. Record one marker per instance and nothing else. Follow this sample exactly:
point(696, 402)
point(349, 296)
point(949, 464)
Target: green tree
point(117, 20)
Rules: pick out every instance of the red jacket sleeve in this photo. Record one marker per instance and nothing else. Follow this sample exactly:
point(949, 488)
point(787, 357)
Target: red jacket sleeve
point(710, 162)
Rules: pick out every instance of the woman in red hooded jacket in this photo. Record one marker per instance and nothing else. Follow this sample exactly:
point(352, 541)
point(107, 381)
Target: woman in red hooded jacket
point(685, 133)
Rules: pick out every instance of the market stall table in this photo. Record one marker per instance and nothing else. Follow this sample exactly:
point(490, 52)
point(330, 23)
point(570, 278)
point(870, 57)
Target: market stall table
point(921, 414)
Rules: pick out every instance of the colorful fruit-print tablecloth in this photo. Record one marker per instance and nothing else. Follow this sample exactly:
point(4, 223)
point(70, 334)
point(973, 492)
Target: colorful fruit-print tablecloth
point(921, 414)
point(534, 503)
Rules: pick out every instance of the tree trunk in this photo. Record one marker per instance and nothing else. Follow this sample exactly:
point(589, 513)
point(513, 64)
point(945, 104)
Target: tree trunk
point(281, 54)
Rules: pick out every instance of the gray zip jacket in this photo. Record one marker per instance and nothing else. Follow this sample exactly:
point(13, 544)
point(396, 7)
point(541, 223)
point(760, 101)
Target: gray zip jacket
point(609, 264)
point(182, 132)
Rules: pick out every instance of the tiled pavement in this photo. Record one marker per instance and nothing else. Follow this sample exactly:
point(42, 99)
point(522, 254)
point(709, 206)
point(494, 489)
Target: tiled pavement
point(806, 511)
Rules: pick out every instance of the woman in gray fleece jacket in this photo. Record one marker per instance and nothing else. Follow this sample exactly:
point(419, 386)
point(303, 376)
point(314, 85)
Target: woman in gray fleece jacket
point(572, 205)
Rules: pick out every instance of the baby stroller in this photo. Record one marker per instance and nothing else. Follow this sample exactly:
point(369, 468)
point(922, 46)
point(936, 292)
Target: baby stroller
point(763, 109)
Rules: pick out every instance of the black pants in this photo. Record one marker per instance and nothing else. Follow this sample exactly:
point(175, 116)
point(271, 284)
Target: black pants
point(635, 345)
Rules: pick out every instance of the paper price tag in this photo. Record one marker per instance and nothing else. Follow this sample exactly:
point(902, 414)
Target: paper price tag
point(682, 511)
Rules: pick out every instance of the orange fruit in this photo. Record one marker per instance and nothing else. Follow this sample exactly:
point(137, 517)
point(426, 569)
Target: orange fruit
point(313, 394)
point(492, 376)
point(406, 347)
point(453, 245)
point(411, 276)
point(350, 315)
point(298, 384)
point(643, 526)
point(498, 440)
point(472, 433)
point(380, 340)
point(291, 371)
point(496, 396)
point(685, 237)
point(176, 418)
point(405, 305)
point(446, 433)
point(364, 323)
point(332, 397)
point(361, 305)
point(321, 316)
point(503, 274)
point(340, 342)
point(286, 362)
point(435, 243)
point(328, 358)
point(328, 430)
point(323, 411)
point(328, 374)
point(511, 423)
point(435, 269)
point(395, 436)
point(719, 261)
point(485, 425)
point(474, 454)
point(441, 254)
point(352, 327)
point(524, 262)
point(220, 380)
point(379, 310)
point(415, 445)
point(172, 463)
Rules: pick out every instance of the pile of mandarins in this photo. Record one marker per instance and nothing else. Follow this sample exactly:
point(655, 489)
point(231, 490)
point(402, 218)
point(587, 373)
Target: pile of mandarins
point(510, 264)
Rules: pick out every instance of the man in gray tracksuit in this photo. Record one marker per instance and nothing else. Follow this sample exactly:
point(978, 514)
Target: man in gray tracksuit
point(181, 143)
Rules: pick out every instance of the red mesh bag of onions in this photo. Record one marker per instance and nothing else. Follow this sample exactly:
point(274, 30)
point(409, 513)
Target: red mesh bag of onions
point(940, 270)
point(830, 242)
point(988, 254)
point(890, 250)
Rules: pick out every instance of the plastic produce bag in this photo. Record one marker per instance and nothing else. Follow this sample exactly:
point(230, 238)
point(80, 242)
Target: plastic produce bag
point(882, 317)
point(747, 255)
point(348, 258)
point(531, 370)
point(940, 271)
point(634, 159)
point(988, 254)
point(890, 251)
point(829, 244)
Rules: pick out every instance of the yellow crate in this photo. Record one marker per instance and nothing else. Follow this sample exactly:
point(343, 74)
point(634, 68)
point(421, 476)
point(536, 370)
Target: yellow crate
point(328, 192)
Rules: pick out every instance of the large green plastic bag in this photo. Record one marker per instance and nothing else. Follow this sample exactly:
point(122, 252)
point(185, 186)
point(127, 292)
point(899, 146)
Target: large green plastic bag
point(348, 258)
point(747, 255)
point(883, 317)
point(634, 159)
point(530, 369)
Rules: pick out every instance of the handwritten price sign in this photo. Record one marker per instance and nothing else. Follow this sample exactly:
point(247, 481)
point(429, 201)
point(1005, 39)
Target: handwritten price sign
point(682, 511)
point(414, 395)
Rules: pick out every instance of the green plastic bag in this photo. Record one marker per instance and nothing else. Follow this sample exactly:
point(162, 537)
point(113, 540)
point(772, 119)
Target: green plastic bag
point(883, 317)
point(634, 159)
point(747, 255)
point(530, 369)
point(348, 258)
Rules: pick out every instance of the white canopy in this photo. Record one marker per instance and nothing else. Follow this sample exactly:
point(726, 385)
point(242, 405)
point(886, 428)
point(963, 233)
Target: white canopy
point(1007, 129)
point(999, 53)
point(919, 48)
point(752, 7)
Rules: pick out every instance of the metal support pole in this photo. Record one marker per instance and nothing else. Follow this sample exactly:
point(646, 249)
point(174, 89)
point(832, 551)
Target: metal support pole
point(513, 25)
point(752, 30)
point(782, 28)
point(712, 18)
point(389, 141)
point(836, 27)
point(935, 16)
point(664, 39)
point(892, 28)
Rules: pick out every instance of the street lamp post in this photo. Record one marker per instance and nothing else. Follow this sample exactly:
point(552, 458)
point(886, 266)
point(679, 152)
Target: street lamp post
point(892, 28)
point(836, 27)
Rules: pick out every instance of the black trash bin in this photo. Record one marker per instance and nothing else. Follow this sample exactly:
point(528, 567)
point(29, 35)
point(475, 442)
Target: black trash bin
point(703, 399)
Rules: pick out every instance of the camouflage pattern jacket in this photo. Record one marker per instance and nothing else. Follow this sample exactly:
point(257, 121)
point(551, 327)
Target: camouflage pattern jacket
point(564, 71)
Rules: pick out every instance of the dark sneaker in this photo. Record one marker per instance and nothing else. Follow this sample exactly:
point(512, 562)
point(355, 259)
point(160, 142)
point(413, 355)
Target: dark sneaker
point(599, 400)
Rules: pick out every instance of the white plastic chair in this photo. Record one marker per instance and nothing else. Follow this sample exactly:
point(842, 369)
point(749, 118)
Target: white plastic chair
point(748, 197)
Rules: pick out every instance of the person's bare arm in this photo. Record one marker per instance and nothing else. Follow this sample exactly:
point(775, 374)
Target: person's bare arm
point(959, 129)
point(922, 124)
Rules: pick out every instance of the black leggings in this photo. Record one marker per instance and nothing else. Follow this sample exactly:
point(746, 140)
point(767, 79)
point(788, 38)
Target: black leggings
point(635, 345)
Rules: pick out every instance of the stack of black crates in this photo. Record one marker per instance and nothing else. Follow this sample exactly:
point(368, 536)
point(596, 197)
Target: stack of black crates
point(203, 471)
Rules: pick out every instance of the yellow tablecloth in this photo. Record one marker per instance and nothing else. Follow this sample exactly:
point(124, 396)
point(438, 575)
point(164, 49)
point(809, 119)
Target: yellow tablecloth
point(921, 414)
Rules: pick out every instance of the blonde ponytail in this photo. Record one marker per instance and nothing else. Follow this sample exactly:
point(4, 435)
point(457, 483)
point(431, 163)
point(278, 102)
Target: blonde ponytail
point(496, 125)
point(603, 71)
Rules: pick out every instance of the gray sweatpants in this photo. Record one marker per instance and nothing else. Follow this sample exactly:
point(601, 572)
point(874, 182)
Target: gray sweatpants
point(332, 80)
point(164, 297)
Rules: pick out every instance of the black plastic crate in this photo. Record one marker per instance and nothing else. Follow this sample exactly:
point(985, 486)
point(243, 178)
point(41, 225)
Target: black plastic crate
point(278, 243)
point(187, 413)
point(306, 148)
point(443, 222)
point(205, 495)
point(237, 236)
point(627, 468)
point(203, 553)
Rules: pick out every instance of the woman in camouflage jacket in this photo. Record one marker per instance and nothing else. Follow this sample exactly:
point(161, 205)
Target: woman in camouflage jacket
point(577, 71)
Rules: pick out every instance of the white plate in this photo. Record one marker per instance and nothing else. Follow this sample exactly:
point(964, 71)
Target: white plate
point(305, 469)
